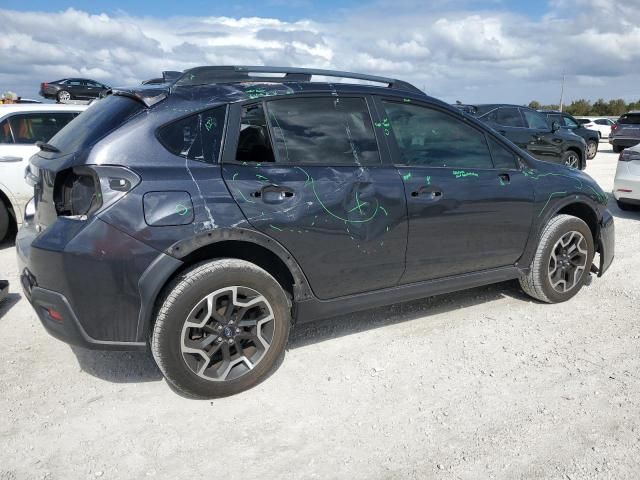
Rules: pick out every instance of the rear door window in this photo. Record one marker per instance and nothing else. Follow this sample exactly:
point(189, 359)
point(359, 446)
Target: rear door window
point(535, 120)
point(506, 116)
point(196, 137)
point(29, 128)
point(322, 130)
point(569, 122)
point(431, 138)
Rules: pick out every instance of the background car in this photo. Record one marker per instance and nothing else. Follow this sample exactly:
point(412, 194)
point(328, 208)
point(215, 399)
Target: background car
point(533, 132)
point(21, 126)
point(72, 89)
point(626, 186)
point(568, 122)
point(601, 124)
point(626, 131)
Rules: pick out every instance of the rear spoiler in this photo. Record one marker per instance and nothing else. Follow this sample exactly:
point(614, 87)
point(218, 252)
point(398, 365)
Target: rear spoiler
point(147, 96)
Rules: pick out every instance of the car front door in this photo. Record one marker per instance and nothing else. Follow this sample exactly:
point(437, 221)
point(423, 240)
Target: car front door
point(543, 141)
point(467, 212)
point(308, 172)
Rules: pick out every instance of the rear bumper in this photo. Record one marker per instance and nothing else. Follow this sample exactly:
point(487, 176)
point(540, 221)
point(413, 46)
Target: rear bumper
point(624, 142)
point(90, 276)
point(606, 242)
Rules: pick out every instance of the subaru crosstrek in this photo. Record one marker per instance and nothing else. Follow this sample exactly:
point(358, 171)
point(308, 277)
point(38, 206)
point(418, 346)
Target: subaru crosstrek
point(204, 218)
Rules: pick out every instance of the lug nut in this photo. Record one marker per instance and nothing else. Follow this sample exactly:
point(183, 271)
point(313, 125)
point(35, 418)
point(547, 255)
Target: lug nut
point(219, 327)
point(230, 341)
point(219, 339)
point(237, 330)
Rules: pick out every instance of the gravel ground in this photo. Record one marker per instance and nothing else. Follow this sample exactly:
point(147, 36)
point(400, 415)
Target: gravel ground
point(479, 384)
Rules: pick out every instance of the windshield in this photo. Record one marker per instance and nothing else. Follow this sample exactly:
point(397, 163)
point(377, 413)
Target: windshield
point(97, 121)
point(630, 119)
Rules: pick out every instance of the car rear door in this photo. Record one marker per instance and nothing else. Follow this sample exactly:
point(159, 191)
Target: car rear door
point(308, 172)
point(467, 212)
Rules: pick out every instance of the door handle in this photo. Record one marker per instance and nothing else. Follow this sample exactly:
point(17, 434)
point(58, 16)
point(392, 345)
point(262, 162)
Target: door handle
point(273, 194)
point(10, 159)
point(504, 178)
point(429, 193)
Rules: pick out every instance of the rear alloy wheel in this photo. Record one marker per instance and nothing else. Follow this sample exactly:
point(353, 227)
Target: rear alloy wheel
point(592, 149)
point(63, 96)
point(562, 261)
point(571, 159)
point(221, 328)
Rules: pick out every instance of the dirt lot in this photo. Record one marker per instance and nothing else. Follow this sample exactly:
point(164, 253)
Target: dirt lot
point(479, 384)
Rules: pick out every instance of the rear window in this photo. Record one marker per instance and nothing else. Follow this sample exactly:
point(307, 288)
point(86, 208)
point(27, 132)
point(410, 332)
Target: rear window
point(630, 119)
point(196, 137)
point(97, 121)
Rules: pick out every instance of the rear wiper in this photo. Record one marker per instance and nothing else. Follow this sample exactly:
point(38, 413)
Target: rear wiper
point(47, 147)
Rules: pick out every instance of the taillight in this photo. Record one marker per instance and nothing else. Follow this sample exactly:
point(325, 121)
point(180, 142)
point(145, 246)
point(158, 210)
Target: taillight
point(82, 191)
point(614, 127)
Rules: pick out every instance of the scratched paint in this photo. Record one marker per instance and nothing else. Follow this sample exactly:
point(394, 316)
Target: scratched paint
point(406, 176)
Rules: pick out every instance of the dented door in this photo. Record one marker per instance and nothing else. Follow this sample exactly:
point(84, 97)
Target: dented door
point(317, 184)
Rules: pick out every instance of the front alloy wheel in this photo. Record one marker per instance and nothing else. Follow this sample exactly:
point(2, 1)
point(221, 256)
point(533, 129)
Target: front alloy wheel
point(572, 160)
point(568, 261)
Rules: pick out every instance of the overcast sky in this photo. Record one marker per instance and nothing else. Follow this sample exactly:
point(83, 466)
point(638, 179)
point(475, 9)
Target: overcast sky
point(468, 50)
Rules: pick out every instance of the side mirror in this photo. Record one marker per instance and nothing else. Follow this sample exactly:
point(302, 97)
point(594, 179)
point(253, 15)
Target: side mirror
point(555, 126)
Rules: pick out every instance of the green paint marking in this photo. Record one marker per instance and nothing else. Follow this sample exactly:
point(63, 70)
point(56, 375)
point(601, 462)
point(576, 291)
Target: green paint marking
point(209, 124)
point(181, 209)
point(427, 180)
point(276, 228)
point(549, 199)
point(406, 176)
point(359, 205)
point(463, 173)
point(600, 197)
point(262, 177)
point(234, 176)
point(406, 100)
point(245, 198)
point(384, 210)
point(326, 209)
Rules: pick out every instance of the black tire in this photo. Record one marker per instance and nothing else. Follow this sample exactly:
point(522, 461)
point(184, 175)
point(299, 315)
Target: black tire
point(5, 221)
point(572, 159)
point(592, 146)
point(61, 96)
point(180, 299)
point(617, 149)
point(536, 283)
point(599, 135)
point(625, 206)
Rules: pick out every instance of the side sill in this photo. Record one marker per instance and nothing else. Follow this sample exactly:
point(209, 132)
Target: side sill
point(310, 310)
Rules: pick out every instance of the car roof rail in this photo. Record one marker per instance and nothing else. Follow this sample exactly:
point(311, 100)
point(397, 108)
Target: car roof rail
point(243, 73)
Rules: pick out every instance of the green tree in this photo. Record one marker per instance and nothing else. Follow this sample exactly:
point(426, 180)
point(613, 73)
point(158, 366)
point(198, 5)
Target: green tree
point(535, 105)
point(579, 107)
point(617, 107)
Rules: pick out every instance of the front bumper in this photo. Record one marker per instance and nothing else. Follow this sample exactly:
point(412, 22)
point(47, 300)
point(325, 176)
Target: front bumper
point(82, 279)
point(606, 242)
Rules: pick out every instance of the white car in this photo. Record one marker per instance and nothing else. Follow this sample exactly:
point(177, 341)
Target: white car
point(21, 126)
point(626, 186)
point(601, 124)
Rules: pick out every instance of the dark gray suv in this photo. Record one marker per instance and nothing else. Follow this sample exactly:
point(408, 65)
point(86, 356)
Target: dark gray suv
point(625, 132)
point(204, 218)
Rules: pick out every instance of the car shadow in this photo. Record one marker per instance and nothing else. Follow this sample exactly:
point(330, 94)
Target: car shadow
point(118, 367)
point(617, 212)
point(10, 243)
point(8, 303)
point(132, 367)
point(339, 326)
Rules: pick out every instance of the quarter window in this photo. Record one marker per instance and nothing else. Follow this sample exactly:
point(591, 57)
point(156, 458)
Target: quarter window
point(196, 137)
point(502, 158)
point(431, 138)
point(323, 130)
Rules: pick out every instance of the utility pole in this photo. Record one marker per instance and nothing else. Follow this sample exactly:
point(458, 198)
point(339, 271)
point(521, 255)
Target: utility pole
point(562, 92)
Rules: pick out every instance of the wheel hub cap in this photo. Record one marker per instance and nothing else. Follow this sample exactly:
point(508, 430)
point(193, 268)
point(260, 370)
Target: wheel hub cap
point(227, 333)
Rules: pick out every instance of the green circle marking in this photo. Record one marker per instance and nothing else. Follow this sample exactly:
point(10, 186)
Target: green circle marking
point(181, 209)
